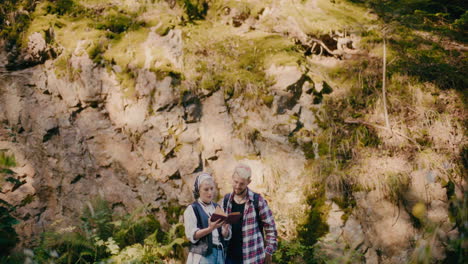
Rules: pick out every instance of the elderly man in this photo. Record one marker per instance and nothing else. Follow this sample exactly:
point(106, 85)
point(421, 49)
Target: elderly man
point(254, 238)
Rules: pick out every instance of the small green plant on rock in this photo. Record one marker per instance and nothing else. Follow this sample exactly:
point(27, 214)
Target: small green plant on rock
point(8, 235)
point(194, 9)
point(290, 252)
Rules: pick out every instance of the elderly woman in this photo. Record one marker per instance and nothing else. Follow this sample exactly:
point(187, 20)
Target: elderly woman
point(207, 238)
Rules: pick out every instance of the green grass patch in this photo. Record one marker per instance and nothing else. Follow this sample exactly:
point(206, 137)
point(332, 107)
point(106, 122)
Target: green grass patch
point(245, 7)
point(215, 57)
point(315, 225)
point(428, 61)
point(127, 51)
point(127, 82)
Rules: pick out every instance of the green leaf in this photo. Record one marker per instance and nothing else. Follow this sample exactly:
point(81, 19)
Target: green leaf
point(6, 160)
point(17, 183)
point(6, 171)
point(86, 253)
point(5, 203)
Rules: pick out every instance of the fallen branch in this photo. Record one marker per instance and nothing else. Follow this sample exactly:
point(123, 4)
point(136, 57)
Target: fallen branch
point(322, 45)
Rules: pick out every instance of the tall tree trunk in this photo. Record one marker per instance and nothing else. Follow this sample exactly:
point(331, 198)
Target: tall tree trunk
point(384, 91)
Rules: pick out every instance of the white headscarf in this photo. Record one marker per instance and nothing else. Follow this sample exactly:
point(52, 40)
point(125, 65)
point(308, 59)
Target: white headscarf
point(204, 176)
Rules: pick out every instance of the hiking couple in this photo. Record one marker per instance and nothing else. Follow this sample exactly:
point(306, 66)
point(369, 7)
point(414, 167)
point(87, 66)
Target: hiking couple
point(252, 239)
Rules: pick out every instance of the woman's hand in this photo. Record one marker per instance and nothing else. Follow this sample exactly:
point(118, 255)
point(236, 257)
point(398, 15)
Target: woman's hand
point(215, 225)
point(205, 231)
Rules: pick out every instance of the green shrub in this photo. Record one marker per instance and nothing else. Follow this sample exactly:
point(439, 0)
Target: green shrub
point(134, 230)
point(462, 22)
point(60, 7)
point(292, 252)
point(95, 53)
point(458, 213)
point(396, 186)
point(97, 218)
point(194, 9)
point(329, 252)
point(14, 20)
point(315, 225)
point(8, 236)
point(116, 23)
point(106, 237)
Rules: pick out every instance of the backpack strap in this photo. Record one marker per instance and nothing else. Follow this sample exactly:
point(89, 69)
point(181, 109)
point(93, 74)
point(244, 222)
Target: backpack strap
point(257, 213)
point(225, 201)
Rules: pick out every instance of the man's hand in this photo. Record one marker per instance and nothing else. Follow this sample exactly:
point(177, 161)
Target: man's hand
point(225, 229)
point(268, 258)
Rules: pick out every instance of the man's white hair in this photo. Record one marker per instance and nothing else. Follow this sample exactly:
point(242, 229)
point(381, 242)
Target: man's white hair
point(243, 171)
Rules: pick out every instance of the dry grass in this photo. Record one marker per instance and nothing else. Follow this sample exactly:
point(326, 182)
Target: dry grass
point(315, 17)
point(381, 173)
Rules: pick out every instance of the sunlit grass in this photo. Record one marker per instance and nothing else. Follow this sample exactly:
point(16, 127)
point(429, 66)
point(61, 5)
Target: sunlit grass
point(319, 17)
point(128, 51)
point(216, 56)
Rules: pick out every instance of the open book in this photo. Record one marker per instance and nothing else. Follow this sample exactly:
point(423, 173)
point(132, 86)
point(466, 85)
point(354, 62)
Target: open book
point(230, 218)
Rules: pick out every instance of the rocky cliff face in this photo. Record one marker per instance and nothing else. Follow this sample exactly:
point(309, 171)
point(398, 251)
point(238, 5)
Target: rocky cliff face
point(82, 138)
point(78, 131)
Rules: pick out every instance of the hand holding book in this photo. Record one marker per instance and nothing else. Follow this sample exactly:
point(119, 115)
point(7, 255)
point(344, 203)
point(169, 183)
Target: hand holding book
point(229, 219)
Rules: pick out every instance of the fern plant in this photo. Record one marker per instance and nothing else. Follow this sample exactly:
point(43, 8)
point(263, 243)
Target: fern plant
point(97, 219)
point(106, 237)
point(135, 227)
point(157, 247)
point(68, 247)
point(80, 245)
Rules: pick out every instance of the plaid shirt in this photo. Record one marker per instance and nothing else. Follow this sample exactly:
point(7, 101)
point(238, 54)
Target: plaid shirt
point(253, 249)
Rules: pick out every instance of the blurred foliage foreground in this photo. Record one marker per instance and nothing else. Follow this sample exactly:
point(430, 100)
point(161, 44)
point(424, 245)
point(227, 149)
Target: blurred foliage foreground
point(105, 237)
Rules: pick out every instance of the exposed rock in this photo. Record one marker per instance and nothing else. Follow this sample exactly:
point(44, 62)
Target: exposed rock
point(171, 45)
point(146, 82)
point(353, 233)
point(425, 188)
point(371, 256)
point(37, 49)
point(90, 78)
point(392, 235)
point(334, 222)
point(12, 106)
point(150, 145)
point(165, 95)
point(189, 159)
point(215, 126)
point(63, 88)
point(135, 114)
point(285, 76)
point(190, 134)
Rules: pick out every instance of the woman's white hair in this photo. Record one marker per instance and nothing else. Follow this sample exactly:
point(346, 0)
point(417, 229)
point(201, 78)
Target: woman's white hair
point(243, 171)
